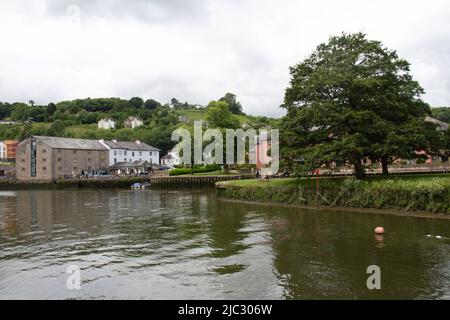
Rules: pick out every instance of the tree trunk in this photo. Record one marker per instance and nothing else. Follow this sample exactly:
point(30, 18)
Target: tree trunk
point(225, 168)
point(384, 166)
point(360, 173)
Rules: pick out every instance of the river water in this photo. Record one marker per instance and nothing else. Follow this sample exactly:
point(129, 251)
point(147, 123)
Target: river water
point(152, 244)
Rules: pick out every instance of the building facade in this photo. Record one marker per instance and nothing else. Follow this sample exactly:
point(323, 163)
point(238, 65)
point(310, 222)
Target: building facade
point(106, 123)
point(8, 150)
point(133, 122)
point(52, 158)
point(171, 159)
point(120, 151)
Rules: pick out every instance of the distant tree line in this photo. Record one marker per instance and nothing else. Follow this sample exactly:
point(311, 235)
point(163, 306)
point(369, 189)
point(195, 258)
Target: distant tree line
point(62, 118)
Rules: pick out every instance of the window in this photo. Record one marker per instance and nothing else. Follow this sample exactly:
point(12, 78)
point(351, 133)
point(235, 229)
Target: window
point(140, 153)
point(59, 159)
point(89, 159)
point(23, 169)
point(44, 160)
point(44, 168)
point(132, 154)
point(44, 151)
point(33, 158)
point(75, 169)
point(115, 152)
point(59, 168)
point(89, 152)
point(23, 160)
point(125, 159)
point(74, 151)
point(150, 153)
point(115, 160)
point(125, 153)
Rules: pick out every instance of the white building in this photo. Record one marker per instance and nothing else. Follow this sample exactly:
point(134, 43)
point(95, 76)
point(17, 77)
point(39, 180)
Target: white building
point(106, 123)
point(133, 122)
point(171, 159)
point(2, 150)
point(120, 151)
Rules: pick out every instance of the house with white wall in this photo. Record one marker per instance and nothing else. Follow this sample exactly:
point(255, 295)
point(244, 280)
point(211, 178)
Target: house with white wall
point(133, 122)
point(171, 159)
point(2, 150)
point(125, 151)
point(106, 123)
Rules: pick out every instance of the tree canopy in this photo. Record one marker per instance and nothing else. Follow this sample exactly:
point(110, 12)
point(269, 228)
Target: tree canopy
point(234, 106)
point(352, 99)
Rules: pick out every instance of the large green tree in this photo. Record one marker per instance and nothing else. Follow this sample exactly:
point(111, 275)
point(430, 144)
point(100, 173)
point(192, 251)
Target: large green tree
point(351, 99)
point(234, 106)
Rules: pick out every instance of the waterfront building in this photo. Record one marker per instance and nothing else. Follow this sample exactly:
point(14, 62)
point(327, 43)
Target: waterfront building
point(52, 158)
point(131, 168)
point(8, 149)
point(171, 159)
point(133, 122)
point(120, 151)
point(107, 123)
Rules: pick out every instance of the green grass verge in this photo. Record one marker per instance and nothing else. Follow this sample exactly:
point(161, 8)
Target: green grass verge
point(411, 193)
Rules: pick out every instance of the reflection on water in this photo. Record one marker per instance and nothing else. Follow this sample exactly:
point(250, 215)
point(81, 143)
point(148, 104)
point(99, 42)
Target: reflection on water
point(188, 244)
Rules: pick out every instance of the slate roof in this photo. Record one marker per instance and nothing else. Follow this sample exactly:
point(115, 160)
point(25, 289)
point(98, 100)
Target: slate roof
point(135, 164)
point(133, 146)
point(442, 125)
point(70, 143)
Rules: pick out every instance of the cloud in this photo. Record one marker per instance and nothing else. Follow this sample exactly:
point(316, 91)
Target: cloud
point(198, 50)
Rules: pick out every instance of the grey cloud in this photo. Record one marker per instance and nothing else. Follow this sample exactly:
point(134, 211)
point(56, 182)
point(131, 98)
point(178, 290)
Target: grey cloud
point(148, 11)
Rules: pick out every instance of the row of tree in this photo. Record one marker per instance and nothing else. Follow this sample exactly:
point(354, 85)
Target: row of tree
point(85, 111)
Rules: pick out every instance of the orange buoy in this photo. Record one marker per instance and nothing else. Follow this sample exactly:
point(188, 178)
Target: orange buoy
point(379, 230)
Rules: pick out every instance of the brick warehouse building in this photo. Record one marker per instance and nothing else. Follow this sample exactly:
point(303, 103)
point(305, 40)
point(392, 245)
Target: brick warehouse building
point(52, 158)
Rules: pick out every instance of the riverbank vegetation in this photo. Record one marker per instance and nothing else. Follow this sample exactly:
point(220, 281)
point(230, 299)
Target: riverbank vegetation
point(71, 183)
point(410, 193)
point(197, 169)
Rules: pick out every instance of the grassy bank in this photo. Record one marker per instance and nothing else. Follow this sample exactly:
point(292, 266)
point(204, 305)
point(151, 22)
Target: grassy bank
point(410, 193)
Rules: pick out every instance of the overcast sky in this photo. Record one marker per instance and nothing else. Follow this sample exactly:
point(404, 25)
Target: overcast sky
point(197, 50)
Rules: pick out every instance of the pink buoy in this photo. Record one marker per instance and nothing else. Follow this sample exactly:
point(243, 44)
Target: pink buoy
point(379, 230)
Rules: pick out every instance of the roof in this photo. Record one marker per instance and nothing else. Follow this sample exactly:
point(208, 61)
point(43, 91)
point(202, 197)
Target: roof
point(442, 125)
point(133, 146)
point(135, 164)
point(70, 143)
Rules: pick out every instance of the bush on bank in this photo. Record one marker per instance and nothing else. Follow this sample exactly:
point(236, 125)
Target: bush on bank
point(411, 194)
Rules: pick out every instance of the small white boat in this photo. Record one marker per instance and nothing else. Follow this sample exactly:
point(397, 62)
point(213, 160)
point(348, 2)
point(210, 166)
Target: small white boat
point(140, 186)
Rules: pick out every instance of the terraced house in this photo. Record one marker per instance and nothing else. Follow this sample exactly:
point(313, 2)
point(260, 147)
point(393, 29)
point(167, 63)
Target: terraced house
point(52, 158)
point(129, 152)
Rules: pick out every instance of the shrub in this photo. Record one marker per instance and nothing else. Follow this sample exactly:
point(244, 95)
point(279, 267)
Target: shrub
point(197, 169)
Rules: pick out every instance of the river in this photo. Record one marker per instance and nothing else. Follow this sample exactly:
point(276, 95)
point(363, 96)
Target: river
point(161, 244)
